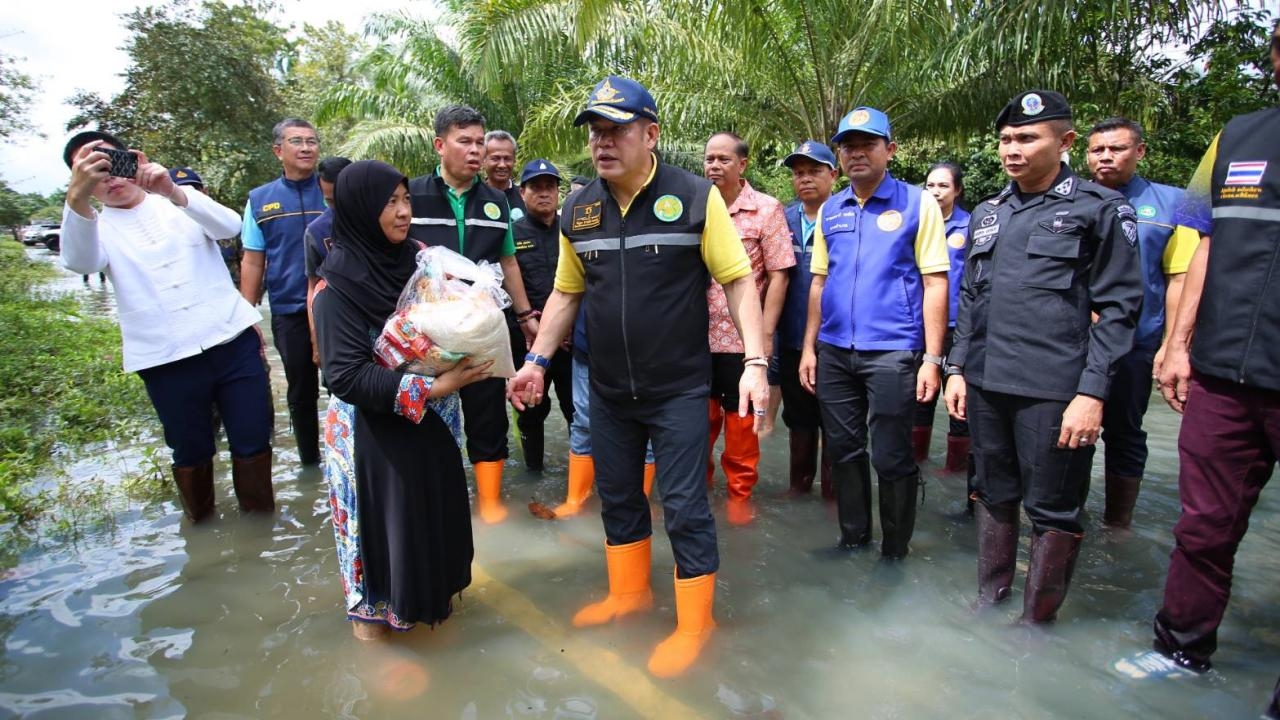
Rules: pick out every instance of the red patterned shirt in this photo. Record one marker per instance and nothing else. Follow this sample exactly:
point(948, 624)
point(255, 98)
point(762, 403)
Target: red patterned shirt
point(763, 228)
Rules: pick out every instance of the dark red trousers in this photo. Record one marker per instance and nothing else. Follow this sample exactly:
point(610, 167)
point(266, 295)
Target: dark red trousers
point(1227, 447)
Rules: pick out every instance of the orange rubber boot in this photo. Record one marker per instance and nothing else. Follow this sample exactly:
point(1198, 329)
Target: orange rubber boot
point(650, 472)
point(694, 599)
point(740, 460)
point(715, 416)
point(489, 491)
point(629, 589)
point(582, 474)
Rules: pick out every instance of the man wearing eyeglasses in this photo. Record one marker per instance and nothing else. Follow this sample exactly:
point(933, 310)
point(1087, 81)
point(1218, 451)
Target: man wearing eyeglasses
point(275, 222)
point(641, 243)
point(1222, 369)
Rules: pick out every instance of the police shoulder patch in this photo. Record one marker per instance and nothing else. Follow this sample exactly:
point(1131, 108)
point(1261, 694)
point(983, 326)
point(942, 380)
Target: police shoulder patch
point(1130, 228)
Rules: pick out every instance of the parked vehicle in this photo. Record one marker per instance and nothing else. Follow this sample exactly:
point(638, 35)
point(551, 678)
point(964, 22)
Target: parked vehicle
point(48, 234)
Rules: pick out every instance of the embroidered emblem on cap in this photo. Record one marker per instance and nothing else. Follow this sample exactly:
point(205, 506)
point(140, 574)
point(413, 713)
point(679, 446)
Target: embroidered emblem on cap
point(1032, 104)
point(859, 117)
point(606, 93)
point(889, 221)
point(1146, 211)
point(491, 211)
point(180, 174)
point(805, 149)
point(668, 208)
point(956, 240)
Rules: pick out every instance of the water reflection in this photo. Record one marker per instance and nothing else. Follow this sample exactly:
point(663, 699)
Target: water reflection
point(243, 618)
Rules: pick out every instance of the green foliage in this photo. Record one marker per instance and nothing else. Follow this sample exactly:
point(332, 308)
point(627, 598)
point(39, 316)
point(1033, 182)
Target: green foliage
point(62, 383)
point(16, 92)
point(202, 90)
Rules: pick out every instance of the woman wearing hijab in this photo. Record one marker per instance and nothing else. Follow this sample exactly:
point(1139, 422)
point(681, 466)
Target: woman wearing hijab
point(397, 488)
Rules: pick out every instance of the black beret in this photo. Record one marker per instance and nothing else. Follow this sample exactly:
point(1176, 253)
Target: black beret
point(1033, 106)
point(81, 139)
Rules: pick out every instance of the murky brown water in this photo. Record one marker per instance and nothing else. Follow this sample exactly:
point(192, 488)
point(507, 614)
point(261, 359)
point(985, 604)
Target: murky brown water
point(242, 617)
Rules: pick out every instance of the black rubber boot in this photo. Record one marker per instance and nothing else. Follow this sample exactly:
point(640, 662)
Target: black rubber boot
point(1190, 650)
point(898, 515)
point(1122, 496)
point(533, 440)
point(804, 461)
point(195, 489)
point(251, 478)
point(852, 481)
point(306, 433)
point(1053, 561)
point(997, 551)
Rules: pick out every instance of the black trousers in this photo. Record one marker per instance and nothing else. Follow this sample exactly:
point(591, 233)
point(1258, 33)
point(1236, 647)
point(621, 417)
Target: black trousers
point(1015, 450)
point(291, 335)
point(875, 388)
point(485, 420)
point(230, 377)
point(1126, 454)
point(726, 373)
point(799, 406)
point(560, 375)
point(678, 426)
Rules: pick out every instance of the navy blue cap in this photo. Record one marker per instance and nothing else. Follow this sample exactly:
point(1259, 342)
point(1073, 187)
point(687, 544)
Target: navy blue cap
point(1033, 106)
point(538, 168)
point(619, 99)
point(815, 151)
point(186, 176)
point(81, 139)
point(864, 120)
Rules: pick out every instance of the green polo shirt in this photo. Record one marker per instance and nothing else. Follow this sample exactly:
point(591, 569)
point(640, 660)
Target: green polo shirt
point(458, 201)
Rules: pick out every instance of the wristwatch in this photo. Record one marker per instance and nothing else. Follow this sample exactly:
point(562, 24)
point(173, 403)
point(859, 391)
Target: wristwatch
point(935, 359)
point(953, 370)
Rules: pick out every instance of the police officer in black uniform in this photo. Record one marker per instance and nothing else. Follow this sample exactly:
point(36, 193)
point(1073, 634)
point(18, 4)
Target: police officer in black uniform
point(537, 236)
point(1031, 369)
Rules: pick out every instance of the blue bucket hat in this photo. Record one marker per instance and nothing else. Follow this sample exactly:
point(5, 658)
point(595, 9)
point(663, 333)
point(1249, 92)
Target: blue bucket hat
point(864, 120)
point(815, 151)
point(619, 99)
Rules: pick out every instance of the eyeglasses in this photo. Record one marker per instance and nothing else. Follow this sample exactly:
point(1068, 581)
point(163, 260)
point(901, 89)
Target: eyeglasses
point(612, 132)
point(299, 142)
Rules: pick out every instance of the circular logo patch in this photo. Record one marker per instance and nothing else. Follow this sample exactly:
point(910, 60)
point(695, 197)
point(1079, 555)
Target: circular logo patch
point(1032, 104)
point(1146, 211)
point(491, 211)
point(956, 240)
point(889, 221)
point(859, 117)
point(516, 214)
point(668, 208)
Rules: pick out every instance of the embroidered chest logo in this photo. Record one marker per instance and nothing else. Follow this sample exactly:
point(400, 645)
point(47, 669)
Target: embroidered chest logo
point(956, 240)
point(1146, 211)
point(270, 206)
point(491, 211)
point(889, 221)
point(516, 214)
point(586, 217)
point(668, 208)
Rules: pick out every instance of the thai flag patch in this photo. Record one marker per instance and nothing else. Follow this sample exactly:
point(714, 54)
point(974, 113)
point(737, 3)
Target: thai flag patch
point(1245, 173)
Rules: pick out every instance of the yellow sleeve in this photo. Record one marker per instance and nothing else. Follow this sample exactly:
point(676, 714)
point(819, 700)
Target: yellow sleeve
point(571, 277)
point(1177, 253)
point(818, 262)
point(931, 238)
point(722, 250)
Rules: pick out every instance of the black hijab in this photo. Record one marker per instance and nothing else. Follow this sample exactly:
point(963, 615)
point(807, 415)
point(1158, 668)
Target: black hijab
point(364, 266)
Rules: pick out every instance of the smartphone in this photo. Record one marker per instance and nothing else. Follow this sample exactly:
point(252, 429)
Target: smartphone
point(124, 163)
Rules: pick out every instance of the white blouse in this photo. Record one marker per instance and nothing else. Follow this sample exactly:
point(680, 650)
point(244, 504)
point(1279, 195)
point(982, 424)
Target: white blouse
point(173, 294)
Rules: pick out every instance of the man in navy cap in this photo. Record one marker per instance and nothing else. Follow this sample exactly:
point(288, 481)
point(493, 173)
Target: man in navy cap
point(537, 239)
point(1030, 369)
point(813, 174)
point(641, 242)
point(878, 300)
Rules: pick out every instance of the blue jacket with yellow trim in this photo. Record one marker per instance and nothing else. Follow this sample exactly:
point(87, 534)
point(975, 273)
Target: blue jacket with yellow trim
point(282, 209)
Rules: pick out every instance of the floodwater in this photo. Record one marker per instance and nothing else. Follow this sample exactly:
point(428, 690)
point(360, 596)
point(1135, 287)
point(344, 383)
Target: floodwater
point(242, 617)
